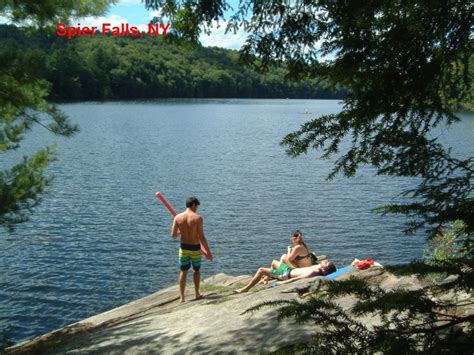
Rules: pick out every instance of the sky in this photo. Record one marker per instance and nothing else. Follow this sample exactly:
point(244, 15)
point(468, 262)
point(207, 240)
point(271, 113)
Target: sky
point(134, 13)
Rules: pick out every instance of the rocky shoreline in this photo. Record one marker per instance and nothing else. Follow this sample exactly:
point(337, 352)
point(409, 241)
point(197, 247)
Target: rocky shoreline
point(217, 323)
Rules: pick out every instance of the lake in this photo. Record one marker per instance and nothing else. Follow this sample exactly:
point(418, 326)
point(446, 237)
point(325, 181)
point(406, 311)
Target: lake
point(100, 238)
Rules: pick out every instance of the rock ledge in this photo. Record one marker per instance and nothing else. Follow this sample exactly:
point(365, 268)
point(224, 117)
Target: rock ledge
point(215, 324)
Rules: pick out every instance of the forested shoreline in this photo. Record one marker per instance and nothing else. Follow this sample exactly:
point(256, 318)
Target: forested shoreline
point(108, 68)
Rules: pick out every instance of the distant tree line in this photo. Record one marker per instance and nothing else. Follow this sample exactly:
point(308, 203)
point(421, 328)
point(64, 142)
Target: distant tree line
point(105, 67)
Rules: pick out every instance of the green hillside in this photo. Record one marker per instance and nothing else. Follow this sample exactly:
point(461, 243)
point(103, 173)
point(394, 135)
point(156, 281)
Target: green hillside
point(105, 67)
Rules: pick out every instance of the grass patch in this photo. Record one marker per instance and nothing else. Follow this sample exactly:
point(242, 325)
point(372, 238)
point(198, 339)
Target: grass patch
point(223, 299)
point(215, 288)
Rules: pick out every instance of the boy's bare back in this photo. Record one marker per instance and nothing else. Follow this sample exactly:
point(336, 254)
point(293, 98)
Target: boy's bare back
point(190, 225)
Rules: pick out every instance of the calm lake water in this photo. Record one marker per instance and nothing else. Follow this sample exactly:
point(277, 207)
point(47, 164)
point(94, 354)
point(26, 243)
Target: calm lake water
point(100, 239)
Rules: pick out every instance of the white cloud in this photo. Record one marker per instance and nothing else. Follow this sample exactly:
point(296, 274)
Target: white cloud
point(142, 28)
point(128, 2)
point(154, 13)
point(219, 38)
point(4, 20)
point(8, 20)
point(114, 20)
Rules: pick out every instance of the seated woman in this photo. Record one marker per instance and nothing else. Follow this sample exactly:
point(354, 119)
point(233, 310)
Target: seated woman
point(299, 255)
point(287, 274)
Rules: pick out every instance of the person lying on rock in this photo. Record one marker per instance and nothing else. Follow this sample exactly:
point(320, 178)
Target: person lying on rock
point(298, 256)
point(287, 274)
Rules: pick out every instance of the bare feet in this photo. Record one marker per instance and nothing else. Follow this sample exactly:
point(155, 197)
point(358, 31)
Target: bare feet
point(264, 280)
point(181, 300)
point(241, 290)
point(198, 297)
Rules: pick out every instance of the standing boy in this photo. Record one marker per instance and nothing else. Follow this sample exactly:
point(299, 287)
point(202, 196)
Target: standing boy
point(189, 226)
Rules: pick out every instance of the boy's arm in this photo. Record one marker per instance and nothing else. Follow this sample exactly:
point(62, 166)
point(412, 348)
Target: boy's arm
point(175, 229)
point(290, 280)
point(202, 237)
point(302, 276)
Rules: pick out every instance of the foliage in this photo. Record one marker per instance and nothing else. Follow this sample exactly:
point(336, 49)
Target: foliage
point(395, 321)
point(189, 18)
point(22, 186)
point(106, 67)
point(398, 94)
point(51, 11)
point(406, 65)
point(446, 245)
point(23, 103)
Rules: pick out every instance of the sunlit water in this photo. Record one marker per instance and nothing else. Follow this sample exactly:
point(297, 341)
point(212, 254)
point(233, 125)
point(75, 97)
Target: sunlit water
point(101, 239)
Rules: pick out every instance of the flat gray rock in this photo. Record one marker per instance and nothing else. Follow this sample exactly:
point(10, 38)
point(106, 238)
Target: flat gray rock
point(218, 323)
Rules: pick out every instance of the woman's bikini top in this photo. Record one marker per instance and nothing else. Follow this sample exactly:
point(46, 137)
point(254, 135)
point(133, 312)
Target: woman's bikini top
point(301, 257)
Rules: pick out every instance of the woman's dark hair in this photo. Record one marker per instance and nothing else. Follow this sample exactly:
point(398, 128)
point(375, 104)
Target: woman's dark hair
point(191, 201)
point(297, 233)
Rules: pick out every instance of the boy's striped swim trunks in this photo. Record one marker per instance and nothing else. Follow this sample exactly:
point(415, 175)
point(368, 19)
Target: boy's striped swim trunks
point(190, 254)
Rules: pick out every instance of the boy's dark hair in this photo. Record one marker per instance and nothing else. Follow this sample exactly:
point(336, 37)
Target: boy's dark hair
point(329, 269)
point(191, 201)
